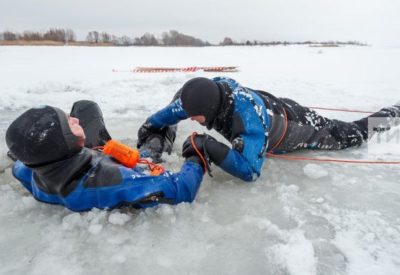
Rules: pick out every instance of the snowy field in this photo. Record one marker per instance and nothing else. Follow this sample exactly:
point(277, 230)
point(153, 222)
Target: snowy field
point(297, 218)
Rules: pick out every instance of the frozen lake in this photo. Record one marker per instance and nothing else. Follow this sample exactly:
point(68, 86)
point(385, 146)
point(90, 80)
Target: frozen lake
point(297, 218)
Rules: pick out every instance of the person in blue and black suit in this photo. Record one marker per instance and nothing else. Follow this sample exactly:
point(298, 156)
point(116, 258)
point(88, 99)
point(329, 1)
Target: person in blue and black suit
point(55, 162)
point(254, 122)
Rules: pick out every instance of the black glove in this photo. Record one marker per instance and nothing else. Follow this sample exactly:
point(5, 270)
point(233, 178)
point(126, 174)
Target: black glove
point(145, 131)
point(153, 147)
point(208, 146)
point(200, 142)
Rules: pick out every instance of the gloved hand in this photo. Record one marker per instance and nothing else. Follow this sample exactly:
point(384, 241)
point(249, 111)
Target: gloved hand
point(153, 148)
point(200, 142)
point(145, 131)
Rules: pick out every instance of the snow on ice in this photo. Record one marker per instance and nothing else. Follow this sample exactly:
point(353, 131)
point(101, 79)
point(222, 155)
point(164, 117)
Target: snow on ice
point(297, 218)
point(314, 171)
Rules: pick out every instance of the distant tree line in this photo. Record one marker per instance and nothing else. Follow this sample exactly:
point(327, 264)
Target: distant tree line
point(170, 38)
point(227, 41)
point(53, 34)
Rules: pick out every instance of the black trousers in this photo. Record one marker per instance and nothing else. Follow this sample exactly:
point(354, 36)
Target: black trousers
point(308, 129)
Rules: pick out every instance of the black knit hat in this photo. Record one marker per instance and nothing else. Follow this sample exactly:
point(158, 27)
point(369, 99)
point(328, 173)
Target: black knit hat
point(201, 96)
point(41, 136)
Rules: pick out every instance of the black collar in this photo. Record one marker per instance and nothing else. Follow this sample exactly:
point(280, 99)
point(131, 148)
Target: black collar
point(61, 177)
point(225, 111)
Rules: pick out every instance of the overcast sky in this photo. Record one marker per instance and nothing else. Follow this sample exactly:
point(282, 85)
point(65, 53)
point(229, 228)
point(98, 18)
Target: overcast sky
point(371, 21)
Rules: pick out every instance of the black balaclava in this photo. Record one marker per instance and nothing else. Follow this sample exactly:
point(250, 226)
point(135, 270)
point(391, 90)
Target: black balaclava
point(201, 96)
point(41, 136)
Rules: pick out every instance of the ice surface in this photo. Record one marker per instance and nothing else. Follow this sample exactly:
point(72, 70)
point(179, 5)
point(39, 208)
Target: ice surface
point(297, 218)
point(314, 171)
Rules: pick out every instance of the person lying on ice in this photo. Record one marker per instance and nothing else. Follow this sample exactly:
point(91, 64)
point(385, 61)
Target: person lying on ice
point(254, 122)
point(55, 163)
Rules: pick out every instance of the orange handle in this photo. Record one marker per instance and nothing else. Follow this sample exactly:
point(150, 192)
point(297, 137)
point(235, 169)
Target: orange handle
point(124, 154)
point(157, 170)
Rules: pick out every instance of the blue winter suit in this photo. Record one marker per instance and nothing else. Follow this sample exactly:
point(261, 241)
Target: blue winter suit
point(91, 179)
point(87, 178)
point(256, 122)
point(245, 119)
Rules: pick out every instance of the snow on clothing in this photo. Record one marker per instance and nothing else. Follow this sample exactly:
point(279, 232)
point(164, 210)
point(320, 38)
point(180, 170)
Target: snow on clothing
point(254, 121)
point(243, 120)
point(307, 129)
point(91, 179)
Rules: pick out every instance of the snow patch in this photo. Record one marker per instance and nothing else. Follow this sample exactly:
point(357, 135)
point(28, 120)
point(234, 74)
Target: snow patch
point(118, 218)
point(315, 171)
point(95, 229)
point(297, 256)
point(73, 221)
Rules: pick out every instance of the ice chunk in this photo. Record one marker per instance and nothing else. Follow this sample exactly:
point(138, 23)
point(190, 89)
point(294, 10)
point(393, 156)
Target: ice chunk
point(29, 202)
point(330, 259)
point(118, 218)
point(72, 221)
point(297, 255)
point(95, 228)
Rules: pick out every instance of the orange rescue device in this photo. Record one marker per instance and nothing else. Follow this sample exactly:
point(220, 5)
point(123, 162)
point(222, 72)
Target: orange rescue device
point(124, 154)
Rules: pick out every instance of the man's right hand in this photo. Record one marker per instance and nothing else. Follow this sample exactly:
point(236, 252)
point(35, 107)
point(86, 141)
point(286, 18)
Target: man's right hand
point(153, 147)
point(145, 131)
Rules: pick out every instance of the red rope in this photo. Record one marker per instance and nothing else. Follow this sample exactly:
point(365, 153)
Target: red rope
point(302, 158)
point(341, 110)
point(332, 160)
point(152, 166)
point(194, 134)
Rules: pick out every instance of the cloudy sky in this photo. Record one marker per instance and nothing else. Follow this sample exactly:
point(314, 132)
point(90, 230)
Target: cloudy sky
point(371, 21)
